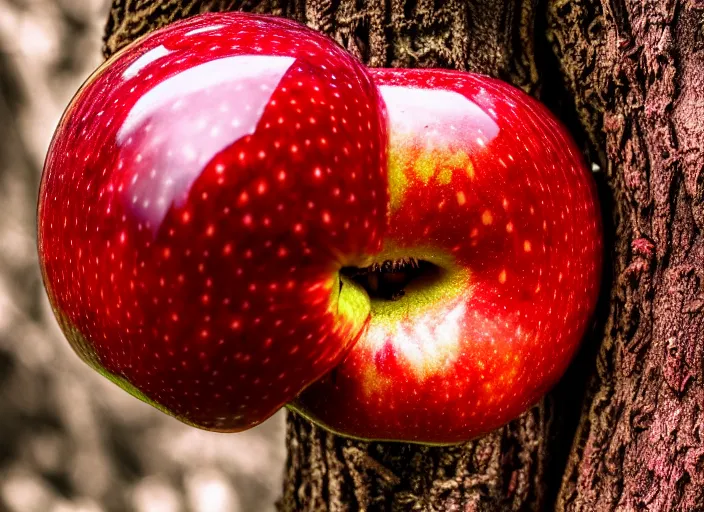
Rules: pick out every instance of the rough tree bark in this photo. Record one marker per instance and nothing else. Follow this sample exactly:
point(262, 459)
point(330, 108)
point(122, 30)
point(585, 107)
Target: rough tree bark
point(636, 73)
point(628, 79)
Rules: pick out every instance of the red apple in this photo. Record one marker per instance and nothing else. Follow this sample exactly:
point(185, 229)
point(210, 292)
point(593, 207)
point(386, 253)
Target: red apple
point(489, 272)
point(200, 196)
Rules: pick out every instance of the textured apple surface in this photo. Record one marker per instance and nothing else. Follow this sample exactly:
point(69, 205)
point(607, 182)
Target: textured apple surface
point(489, 188)
point(201, 193)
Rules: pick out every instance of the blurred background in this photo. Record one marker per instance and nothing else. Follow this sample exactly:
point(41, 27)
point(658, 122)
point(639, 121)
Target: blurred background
point(70, 441)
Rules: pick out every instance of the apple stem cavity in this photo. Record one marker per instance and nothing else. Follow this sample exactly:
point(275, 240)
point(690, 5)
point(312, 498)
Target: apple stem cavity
point(389, 279)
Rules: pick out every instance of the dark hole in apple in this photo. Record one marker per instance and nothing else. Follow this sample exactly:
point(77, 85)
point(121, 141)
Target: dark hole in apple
point(390, 279)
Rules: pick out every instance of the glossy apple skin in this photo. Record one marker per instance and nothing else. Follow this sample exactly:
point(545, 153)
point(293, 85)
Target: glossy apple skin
point(488, 185)
point(200, 194)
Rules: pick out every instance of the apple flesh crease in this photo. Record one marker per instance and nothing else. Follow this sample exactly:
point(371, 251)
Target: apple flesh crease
point(489, 271)
point(200, 196)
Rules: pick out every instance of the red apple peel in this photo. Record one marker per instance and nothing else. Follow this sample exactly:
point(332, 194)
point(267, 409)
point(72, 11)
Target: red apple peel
point(200, 196)
point(490, 191)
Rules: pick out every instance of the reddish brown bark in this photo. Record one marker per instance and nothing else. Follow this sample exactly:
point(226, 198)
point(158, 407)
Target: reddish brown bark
point(636, 72)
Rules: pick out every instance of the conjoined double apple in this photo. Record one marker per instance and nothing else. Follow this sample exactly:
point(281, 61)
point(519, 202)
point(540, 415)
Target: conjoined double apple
point(236, 215)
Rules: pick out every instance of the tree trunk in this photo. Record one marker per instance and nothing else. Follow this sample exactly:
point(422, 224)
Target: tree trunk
point(628, 79)
point(636, 72)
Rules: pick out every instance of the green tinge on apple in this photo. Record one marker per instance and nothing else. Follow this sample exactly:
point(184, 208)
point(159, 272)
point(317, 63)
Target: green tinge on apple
point(353, 302)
